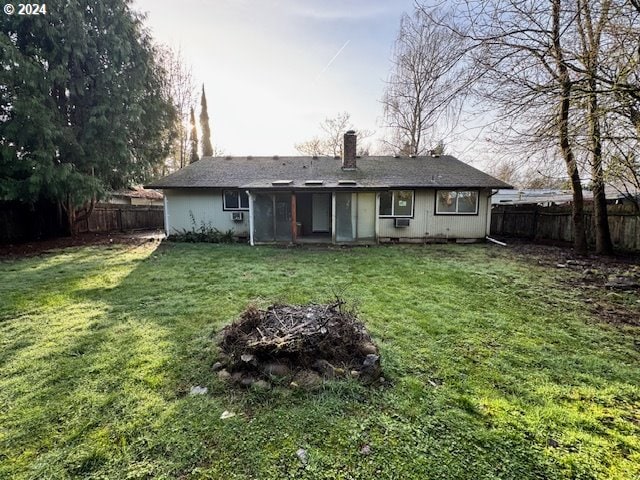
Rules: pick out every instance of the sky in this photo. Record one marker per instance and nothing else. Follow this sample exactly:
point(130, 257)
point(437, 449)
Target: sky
point(274, 69)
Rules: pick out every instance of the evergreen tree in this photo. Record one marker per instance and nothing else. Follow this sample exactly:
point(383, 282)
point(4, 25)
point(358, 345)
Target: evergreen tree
point(80, 105)
point(193, 139)
point(207, 149)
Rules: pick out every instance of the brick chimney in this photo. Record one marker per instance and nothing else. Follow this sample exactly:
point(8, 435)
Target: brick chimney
point(349, 151)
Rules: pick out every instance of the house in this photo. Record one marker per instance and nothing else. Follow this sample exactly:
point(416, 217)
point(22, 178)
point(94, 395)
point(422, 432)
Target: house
point(615, 194)
point(538, 196)
point(334, 200)
point(136, 196)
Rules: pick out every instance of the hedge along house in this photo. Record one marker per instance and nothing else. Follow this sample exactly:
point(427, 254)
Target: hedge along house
point(331, 200)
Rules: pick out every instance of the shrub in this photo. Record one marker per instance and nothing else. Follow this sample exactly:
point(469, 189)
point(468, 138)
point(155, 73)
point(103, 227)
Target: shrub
point(205, 233)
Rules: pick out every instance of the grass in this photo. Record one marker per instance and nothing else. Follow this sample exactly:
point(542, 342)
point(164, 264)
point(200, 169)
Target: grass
point(497, 370)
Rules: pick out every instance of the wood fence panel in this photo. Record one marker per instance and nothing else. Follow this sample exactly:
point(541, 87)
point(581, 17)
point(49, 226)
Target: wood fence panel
point(114, 218)
point(625, 231)
point(555, 223)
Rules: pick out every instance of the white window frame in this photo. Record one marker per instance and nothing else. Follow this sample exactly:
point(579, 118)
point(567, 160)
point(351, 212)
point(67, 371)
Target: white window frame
point(458, 191)
point(239, 208)
point(393, 203)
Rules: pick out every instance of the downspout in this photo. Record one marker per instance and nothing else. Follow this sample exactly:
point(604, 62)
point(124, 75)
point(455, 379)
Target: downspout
point(250, 218)
point(333, 217)
point(166, 214)
point(377, 218)
point(488, 225)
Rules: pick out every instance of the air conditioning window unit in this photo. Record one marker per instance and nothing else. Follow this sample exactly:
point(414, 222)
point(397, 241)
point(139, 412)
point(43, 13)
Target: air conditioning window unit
point(401, 222)
point(237, 216)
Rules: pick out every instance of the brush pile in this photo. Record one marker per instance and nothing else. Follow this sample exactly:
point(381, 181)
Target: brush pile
point(297, 344)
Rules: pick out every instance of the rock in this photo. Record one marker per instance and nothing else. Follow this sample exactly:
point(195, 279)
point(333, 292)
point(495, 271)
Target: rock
point(371, 360)
point(368, 348)
point(371, 366)
point(217, 366)
point(307, 379)
point(276, 369)
point(224, 375)
point(303, 456)
point(561, 265)
point(249, 358)
point(198, 390)
point(339, 372)
point(354, 373)
point(621, 282)
point(247, 381)
point(324, 368)
point(236, 377)
point(226, 414)
point(262, 385)
point(365, 450)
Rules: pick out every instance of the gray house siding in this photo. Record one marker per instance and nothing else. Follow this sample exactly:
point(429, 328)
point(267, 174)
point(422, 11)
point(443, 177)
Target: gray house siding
point(189, 209)
point(427, 225)
point(205, 205)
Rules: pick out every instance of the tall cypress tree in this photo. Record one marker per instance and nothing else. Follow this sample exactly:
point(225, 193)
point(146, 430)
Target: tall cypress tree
point(193, 139)
point(207, 149)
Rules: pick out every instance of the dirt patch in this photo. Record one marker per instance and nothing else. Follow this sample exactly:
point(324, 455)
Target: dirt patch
point(39, 247)
point(297, 345)
point(608, 285)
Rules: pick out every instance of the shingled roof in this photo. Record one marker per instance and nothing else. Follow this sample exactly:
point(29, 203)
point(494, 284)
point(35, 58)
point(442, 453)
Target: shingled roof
point(372, 172)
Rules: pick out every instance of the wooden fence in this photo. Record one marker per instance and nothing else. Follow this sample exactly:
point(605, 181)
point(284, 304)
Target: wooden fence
point(108, 217)
point(554, 223)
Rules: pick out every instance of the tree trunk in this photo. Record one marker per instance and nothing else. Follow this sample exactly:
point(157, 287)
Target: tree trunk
point(577, 208)
point(70, 212)
point(577, 214)
point(600, 216)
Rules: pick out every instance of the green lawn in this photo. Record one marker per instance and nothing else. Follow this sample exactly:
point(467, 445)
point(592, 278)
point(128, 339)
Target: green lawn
point(497, 369)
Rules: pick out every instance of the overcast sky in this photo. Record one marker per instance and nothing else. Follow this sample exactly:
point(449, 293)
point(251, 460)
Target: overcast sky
point(274, 69)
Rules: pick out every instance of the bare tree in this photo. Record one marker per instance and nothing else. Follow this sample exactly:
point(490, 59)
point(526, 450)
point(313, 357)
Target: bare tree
point(330, 141)
point(522, 73)
point(193, 138)
point(590, 23)
point(507, 171)
point(426, 82)
point(560, 75)
point(182, 91)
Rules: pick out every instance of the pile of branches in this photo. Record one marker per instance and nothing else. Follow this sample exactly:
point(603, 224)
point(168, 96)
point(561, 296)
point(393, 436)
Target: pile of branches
point(300, 336)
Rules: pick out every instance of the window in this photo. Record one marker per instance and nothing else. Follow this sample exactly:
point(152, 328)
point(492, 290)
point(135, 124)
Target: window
point(398, 203)
point(456, 202)
point(235, 200)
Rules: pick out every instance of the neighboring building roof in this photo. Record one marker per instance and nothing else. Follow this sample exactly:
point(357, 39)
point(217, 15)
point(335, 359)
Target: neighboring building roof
point(139, 192)
point(371, 172)
point(520, 196)
point(549, 197)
